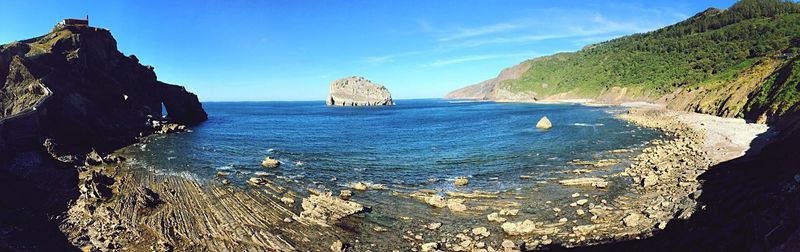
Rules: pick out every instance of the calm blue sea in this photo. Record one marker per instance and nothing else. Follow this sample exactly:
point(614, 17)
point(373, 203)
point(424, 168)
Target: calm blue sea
point(415, 144)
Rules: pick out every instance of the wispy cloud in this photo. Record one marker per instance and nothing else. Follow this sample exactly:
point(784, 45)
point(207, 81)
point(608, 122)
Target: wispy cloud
point(571, 26)
point(391, 57)
point(469, 58)
point(479, 31)
point(598, 26)
point(424, 26)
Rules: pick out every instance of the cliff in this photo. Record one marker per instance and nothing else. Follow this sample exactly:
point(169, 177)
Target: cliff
point(358, 91)
point(74, 86)
point(62, 95)
point(737, 62)
point(487, 90)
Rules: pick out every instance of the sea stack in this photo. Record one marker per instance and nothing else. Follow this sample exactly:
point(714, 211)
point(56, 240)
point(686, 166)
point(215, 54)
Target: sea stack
point(544, 123)
point(358, 91)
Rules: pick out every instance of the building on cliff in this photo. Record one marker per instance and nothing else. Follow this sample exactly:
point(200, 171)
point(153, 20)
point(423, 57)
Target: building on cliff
point(75, 22)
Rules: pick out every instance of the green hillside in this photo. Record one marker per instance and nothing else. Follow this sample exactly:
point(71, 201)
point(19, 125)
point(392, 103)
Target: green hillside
point(707, 52)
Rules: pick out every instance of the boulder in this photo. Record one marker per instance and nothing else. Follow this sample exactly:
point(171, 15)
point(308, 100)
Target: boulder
point(481, 231)
point(544, 123)
point(650, 180)
point(518, 228)
point(325, 209)
point(360, 186)
point(345, 194)
point(358, 91)
point(339, 246)
point(632, 220)
point(429, 247)
point(456, 205)
point(256, 181)
point(287, 200)
point(461, 181)
point(495, 217)
point(269, 162)
point(509, 212)
point(93, 159)
point(437, 201)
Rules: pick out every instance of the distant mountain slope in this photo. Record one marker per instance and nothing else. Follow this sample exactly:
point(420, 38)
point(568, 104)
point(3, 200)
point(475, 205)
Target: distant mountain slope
point(716, 62)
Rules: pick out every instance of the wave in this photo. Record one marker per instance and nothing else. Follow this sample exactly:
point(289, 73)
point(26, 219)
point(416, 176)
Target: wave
point(587, 124)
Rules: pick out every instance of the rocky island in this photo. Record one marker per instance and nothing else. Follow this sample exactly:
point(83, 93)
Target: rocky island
point(358, 91)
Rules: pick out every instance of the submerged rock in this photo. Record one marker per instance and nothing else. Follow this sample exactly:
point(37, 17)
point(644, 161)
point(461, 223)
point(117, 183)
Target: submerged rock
point(325, 209)
point(256, 181)
point(360, 186)
point(358, 91)
point(593, 182)
point(544, 123)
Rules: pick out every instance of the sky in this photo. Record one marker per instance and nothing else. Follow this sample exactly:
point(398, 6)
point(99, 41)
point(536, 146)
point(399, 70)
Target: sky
point(291, 50)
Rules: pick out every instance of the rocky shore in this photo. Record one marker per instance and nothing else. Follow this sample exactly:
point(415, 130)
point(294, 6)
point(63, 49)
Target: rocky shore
point(70, 186)
point(658, 186)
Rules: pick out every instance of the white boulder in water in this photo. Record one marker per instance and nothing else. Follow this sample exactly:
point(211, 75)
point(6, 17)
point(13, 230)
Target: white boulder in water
point(544, 123)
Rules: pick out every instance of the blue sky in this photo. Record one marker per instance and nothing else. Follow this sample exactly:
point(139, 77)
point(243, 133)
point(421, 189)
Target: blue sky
point(290, 50)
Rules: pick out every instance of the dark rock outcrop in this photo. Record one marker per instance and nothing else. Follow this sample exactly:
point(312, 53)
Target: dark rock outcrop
point(73, 85)
point(62, 96)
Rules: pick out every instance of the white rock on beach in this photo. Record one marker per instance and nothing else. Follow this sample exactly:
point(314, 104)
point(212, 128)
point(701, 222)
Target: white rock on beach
point(518, 228)
point(495, 217)
point(437, 201)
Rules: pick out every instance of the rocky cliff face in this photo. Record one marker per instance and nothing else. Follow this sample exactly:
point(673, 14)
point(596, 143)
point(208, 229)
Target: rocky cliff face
point(73, 85)
point(490, 89)
point(358, 91)
point(63, 95)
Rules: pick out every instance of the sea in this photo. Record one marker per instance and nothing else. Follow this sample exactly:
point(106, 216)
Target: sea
point(417, 147)
point(416, 144)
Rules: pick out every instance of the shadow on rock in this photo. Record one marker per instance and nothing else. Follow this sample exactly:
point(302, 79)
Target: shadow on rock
point(751, 203)
point(36, 193)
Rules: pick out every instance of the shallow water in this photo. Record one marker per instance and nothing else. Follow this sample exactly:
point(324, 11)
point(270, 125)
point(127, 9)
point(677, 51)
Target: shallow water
point(415, 145)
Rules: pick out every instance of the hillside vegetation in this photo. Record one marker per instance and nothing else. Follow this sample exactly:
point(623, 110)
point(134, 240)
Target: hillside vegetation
point(734, 62)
